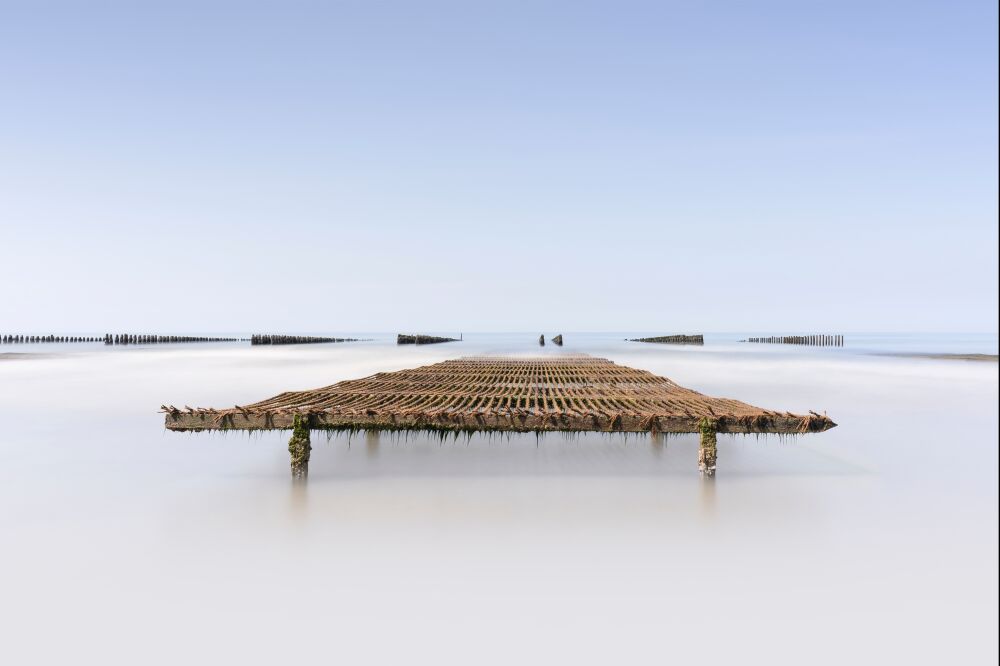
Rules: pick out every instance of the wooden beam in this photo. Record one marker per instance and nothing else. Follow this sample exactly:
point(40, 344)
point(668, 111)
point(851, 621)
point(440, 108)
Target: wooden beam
point(198, 420)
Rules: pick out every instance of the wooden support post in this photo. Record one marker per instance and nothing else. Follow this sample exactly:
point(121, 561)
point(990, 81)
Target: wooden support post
point(299, 447)
point(707, 450)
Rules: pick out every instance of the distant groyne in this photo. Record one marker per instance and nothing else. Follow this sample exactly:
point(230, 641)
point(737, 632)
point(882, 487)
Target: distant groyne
point(17, 338)
point(408, 339)
point(698, 339)
point(153, 339)
point(270, 339)
point(817, 340)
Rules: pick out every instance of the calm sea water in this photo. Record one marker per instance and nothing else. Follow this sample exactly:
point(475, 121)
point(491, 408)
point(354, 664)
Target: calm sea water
point(875, 542)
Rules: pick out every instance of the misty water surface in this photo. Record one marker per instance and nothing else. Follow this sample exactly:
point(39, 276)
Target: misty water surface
point(123, 543)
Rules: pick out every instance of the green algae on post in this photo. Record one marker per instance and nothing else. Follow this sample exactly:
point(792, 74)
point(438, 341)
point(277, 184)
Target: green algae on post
point(299, 447)
point(707, 448)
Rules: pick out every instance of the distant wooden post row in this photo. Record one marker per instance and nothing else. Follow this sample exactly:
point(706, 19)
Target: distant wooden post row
point(269, 339)
point(134, 339)
point(420, 339)
point(818, 340)
point(17, 338)
point(697, 339)
point(149, 338)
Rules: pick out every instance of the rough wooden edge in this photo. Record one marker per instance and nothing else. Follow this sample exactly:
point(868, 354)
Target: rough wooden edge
point(516, 421)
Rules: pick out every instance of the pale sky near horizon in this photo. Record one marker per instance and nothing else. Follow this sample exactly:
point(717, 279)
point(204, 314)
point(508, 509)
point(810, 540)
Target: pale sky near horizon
point(654, 166)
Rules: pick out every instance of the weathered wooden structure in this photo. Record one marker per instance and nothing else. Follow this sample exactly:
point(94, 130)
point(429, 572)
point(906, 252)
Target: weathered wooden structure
point(503, 394)
point(817, 340)
point(410, 339)
point(272, 339)
point(18, 338)
point(698, 339)
point(153, 339)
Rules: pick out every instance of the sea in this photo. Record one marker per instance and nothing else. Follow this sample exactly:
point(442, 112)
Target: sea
point(874, 542)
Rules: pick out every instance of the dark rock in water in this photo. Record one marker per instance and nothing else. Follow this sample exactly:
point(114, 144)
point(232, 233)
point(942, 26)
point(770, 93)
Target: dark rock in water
point(558, 339)
point(541, 340)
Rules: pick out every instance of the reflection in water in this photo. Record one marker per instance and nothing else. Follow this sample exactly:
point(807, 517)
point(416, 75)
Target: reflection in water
point(371, 443)
point(708, 496)
point(298, 500)
point(657, 443)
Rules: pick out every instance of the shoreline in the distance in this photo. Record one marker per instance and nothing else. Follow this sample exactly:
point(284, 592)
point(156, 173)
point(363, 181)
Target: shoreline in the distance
point(989, 358)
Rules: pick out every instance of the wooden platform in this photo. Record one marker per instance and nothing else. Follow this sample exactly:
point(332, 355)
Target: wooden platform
point(511, 394)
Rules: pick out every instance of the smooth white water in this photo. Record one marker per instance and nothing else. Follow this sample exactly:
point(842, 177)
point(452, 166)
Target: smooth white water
point(875, 542)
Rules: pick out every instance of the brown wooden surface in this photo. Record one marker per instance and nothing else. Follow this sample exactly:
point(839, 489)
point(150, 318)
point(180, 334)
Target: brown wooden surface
point(559, 393)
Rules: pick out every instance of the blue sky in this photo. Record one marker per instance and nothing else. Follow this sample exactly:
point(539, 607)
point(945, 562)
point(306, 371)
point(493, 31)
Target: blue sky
point(498, 166)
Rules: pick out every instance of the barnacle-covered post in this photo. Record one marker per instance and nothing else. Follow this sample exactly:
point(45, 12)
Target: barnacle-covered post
point(707, 448)
point(299, 447)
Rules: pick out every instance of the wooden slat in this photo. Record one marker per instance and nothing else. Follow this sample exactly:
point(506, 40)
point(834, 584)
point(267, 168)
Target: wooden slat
point(562, 393)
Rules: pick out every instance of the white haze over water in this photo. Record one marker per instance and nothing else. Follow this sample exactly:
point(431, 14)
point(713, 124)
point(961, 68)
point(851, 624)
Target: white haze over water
point(875, 542)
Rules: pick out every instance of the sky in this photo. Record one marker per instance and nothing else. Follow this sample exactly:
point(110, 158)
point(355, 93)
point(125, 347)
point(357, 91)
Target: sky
point(498, 166)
